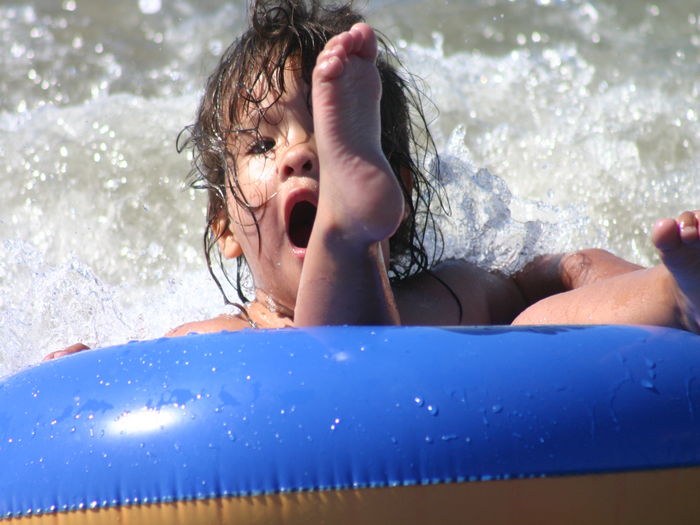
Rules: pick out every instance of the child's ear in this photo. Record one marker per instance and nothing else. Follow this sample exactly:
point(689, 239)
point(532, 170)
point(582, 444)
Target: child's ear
point(226, 239)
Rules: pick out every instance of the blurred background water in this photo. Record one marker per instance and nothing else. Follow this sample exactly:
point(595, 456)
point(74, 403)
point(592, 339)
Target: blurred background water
point(563, 124)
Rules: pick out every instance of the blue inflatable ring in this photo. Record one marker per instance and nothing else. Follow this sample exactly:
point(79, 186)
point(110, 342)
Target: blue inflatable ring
point(596, 424)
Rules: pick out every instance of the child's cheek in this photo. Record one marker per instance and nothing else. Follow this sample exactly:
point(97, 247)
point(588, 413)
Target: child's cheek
point(256, 180)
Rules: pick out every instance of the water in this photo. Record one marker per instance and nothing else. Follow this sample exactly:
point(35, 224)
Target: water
point(564, 124)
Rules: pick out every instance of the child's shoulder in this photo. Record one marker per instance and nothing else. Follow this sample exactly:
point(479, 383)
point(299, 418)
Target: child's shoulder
point(457, 292)
point(231, 323)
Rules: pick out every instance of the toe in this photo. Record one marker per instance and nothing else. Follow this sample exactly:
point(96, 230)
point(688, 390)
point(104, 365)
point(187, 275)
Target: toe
point(327, 68)
point(343, 41)
point(366, 41)
point(688, 226)
point(332, 50)
point(666, 235)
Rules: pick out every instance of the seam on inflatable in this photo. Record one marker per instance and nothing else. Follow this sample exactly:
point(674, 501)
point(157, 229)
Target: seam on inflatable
point(130, 502)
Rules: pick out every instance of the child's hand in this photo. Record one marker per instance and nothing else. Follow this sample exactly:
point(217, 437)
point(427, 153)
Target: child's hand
point(72, 349)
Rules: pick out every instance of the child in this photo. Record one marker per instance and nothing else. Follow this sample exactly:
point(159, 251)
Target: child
point(303, 141)
point(301, 130)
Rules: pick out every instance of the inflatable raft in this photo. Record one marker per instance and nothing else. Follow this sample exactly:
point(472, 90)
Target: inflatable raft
point(596, 424)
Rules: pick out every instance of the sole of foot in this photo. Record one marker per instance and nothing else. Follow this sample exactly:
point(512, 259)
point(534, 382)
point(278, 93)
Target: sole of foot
point(678, 242)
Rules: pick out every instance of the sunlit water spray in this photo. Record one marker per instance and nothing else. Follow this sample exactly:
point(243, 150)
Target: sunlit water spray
point(562, 125)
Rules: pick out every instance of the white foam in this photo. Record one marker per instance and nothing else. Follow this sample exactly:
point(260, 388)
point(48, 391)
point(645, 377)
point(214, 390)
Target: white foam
point(614, 152)
point(48, 307)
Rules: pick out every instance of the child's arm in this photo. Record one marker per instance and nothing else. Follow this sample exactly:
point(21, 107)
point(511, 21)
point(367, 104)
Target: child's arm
point(226, 322)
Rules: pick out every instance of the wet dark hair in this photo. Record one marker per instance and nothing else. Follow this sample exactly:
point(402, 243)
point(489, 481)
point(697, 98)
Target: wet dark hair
point(295, 31)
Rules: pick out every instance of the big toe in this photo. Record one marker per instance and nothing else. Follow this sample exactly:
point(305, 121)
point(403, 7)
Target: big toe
point(365, 41)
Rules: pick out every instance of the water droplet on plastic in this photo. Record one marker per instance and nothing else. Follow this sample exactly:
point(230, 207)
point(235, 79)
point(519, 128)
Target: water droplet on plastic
point(649, 385)
point(419, 401)
point(432, 410)
point(497, 409)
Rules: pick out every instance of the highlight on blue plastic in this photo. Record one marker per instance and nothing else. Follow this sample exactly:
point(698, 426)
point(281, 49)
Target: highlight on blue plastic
point(256, 412)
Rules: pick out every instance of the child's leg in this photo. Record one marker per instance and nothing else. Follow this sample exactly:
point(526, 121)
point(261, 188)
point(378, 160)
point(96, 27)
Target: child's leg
point(360, 203)
point(547, 275)
point(666, 295)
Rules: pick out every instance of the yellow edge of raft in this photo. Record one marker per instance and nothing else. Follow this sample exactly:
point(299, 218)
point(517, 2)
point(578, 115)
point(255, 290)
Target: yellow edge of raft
point(665, 496)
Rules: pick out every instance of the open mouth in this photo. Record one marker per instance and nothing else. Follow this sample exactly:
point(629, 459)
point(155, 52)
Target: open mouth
point(301, 222)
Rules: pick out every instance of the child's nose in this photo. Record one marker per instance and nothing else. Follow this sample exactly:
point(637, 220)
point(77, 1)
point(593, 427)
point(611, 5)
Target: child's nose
point(299, 160)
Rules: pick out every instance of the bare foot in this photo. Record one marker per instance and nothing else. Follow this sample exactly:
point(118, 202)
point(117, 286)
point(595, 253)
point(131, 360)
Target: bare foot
point(678, 242)
point(360, 197)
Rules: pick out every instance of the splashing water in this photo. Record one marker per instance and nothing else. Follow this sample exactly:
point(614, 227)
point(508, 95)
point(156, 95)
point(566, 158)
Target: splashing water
point(562, 124)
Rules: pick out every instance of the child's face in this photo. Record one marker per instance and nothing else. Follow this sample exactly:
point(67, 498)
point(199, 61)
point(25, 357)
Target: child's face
point(278, 175)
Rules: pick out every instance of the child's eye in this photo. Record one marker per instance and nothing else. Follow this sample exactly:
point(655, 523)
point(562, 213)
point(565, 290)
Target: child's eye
point(261, 146)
